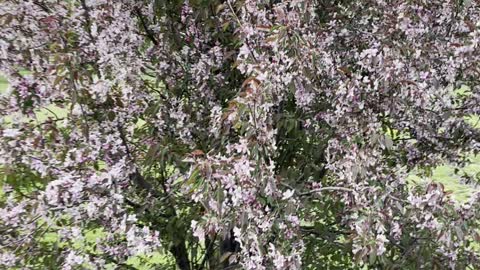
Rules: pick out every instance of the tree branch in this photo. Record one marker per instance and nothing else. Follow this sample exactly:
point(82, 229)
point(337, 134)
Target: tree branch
point(148, 31)
point(318, 190)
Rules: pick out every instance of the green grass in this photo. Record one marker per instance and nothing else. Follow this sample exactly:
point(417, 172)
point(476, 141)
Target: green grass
point(474, 120)
point(41, 115)
point(445, 174)
point(3, 84)
point(452, 182)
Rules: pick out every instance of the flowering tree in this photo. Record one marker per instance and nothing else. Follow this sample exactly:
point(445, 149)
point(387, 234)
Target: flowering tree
point(237, 133)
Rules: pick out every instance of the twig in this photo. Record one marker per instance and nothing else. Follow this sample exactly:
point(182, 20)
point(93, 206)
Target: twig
point(148, 31)
point(318, 190)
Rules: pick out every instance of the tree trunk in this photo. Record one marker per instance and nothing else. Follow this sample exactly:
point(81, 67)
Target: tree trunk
point(179, 251)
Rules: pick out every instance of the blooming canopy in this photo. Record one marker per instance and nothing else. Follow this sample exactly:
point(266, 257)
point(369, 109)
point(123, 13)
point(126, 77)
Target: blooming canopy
point(237, 133)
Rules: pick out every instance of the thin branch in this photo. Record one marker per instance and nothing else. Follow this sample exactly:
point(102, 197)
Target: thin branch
point(319, 190)
point(148, 31)
point(234, 14)
point(42, 6)
point(135, 177)
point(87, 19)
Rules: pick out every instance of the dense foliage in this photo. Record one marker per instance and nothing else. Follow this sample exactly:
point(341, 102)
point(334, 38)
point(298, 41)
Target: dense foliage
point(252, 134)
